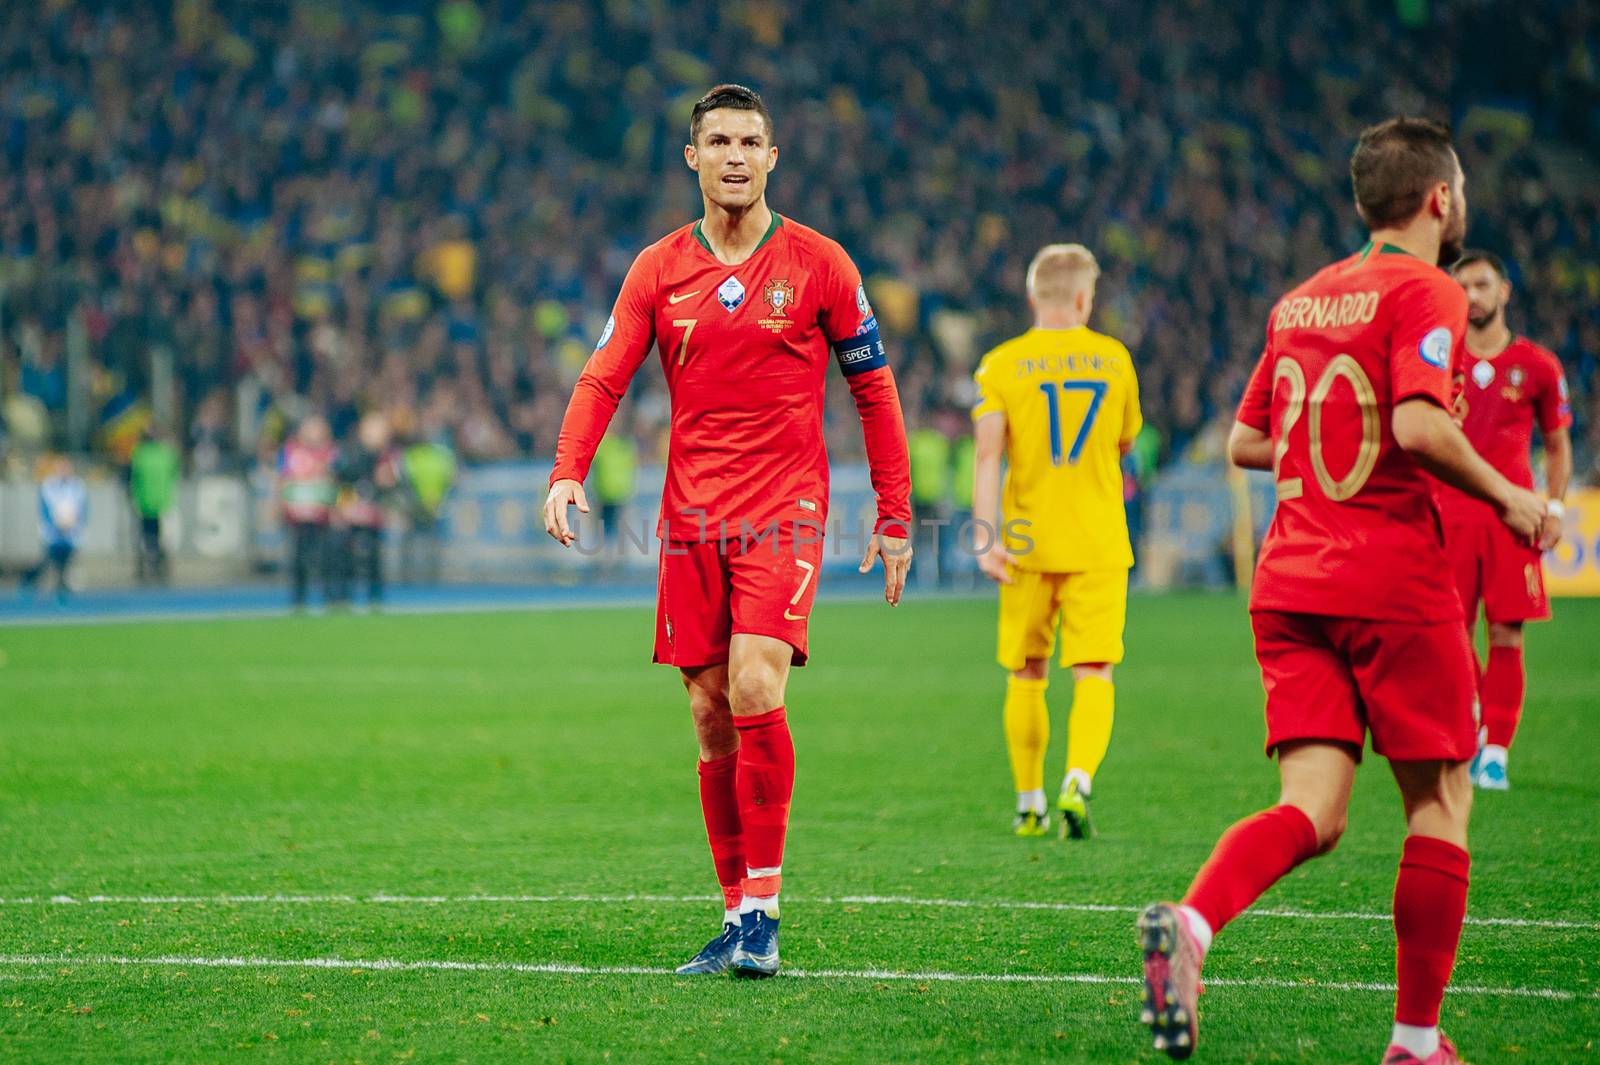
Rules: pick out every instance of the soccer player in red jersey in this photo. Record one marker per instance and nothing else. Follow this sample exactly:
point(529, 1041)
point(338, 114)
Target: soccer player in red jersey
point(743, 306)
point(1509, 383)
point(1356, 617)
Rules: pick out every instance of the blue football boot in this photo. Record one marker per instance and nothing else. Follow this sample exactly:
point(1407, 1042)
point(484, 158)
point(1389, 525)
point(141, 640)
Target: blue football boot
point(1491, 775)
point(716, 956)
point(756, 956)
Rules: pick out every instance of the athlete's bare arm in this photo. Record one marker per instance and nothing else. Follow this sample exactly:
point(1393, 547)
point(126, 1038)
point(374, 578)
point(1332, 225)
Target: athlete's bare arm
point(1557, 462)
point(1249, 448)
point(1428, 433)
point(1557, 475)
point(989, 440)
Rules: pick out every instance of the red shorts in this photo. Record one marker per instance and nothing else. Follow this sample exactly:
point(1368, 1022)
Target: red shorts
point(708, 591)
point(1410, 684)
point(1492, 567)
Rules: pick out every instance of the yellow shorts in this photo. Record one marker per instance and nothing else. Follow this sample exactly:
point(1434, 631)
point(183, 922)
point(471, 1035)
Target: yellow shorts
point(1092, 608)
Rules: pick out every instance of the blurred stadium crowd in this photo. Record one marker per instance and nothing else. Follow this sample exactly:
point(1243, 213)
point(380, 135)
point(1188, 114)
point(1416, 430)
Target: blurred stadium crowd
point(426, 209)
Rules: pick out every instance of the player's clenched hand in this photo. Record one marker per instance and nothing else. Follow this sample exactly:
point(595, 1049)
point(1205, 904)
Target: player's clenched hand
point(896, 554)
point(563, 494)
point(995, 562)
point(1524, 514)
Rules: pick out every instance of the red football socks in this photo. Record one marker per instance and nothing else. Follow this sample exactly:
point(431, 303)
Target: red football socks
point(765, 783)
point(1249, 858)
point(1430, 900)
point(1504, 682)
point(719, 802)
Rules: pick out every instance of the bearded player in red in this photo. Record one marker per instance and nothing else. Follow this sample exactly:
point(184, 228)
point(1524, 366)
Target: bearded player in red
point(743, 306)
point(1510, 382)
point(1357, 622)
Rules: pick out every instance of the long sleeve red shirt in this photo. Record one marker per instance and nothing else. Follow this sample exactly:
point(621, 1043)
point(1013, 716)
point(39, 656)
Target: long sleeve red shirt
point(746, 350)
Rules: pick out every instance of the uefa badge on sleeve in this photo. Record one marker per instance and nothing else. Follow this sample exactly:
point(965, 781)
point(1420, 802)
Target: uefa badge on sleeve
point(1435, 348)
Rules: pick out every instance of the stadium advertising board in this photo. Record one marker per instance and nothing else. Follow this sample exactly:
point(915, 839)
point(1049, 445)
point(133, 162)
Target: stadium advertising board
point(1573, 567)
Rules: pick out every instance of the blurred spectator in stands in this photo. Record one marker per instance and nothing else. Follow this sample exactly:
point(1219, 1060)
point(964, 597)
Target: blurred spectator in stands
point(367, 473)
point(44, 371)
point(153, 471)
point(28, 431)
point(292, 195)
point(63, 513)
point(210, 440)
point(428, 471)
point(306, 492)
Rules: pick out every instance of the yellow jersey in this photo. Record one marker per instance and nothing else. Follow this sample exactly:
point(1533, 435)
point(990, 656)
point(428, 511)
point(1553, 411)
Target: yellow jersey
point(1071, 403)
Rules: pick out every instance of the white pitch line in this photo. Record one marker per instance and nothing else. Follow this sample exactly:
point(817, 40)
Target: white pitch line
point(385, 898)
point(69, 961)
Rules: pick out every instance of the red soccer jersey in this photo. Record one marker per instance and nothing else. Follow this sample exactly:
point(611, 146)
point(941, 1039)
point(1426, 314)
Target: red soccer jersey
point(1356, 532)
point(1503, 396)
point(305, 478)
point(745, 350)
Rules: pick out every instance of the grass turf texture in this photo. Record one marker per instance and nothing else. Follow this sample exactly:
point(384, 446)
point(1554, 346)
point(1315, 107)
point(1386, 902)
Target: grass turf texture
point(539, 754)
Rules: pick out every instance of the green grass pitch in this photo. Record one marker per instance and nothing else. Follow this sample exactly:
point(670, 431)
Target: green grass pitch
point(504, 765)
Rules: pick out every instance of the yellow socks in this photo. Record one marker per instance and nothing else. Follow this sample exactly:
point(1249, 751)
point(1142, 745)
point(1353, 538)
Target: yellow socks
point(1027, 731)
point(1027, 720)
point(1089, 727)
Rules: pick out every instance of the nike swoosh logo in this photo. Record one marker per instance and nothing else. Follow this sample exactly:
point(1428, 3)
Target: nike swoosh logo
point(676, 299)
point(792, 617)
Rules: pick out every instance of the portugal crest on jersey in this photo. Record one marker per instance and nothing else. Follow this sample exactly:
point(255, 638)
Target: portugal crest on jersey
point(779, 295)
point(1513, 389)
point(779, 298)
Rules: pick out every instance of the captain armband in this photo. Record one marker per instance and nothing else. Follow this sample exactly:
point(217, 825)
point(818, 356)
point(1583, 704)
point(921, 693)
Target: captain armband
point(862, 352)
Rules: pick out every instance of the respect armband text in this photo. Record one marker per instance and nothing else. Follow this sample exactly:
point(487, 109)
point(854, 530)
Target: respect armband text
point(862, 352)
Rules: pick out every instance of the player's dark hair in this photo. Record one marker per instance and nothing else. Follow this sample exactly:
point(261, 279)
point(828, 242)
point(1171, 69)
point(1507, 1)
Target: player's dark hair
point(733, 98)
point(1487, 258)
point(1395, 165)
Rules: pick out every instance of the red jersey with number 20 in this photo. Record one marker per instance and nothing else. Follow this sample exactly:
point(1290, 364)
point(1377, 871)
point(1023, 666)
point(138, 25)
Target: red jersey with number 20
point(1357, 531)
point(746, 352)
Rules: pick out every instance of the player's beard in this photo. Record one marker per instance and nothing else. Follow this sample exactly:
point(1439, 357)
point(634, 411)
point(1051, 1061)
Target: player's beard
point(1454, 239)
point(1483, 321)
